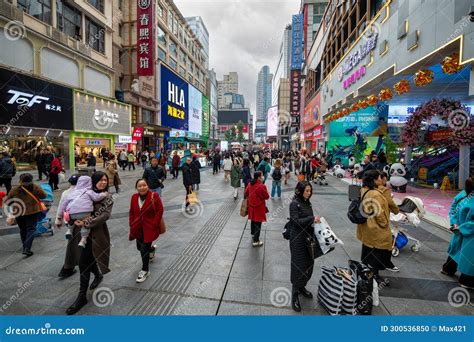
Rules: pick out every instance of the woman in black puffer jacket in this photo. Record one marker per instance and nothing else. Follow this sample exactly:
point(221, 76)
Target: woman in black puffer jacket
point(302, 219)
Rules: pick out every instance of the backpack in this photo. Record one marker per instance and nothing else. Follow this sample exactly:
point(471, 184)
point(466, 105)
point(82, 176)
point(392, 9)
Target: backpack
point(277, 174)
point(354, 213)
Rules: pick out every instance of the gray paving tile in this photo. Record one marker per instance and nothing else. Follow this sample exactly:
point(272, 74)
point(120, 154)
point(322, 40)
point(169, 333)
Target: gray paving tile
point(244, 290)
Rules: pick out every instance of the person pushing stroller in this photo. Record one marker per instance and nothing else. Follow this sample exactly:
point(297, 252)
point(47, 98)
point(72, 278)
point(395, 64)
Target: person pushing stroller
point(79, 205)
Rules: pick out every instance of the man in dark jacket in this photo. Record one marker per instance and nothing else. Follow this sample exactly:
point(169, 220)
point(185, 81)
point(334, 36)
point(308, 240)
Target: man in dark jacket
point(40, 158)
point(7, 170)
point(175, 165)
point(91, 160)
point(154, 176)
point(216, 161)
point(187, 178)
point(196, 173)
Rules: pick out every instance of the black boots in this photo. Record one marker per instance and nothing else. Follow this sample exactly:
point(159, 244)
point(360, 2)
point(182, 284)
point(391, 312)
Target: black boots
point(306, 293)
point(295, 300)
point(66, 273)
point(80, 301)
point(97, 280)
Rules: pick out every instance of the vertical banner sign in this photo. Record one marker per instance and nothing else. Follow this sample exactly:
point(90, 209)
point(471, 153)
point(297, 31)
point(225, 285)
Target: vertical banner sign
point(205, 118)
point(145, 39)
point(296, 41)
point(295, 93)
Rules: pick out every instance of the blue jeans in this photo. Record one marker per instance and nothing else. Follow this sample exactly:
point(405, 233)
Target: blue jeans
point(276, 185)
point(157, 190)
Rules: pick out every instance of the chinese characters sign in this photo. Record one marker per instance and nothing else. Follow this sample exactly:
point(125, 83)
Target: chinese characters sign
point(354, 77)
point(296, 41)
point(295, 93)
point(174, 100)
point(145, 38)
point(355, 57)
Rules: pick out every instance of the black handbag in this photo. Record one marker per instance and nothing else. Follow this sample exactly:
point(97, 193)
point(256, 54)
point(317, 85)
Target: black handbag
point(313, 247)
point(355, 211)
point(286, 230)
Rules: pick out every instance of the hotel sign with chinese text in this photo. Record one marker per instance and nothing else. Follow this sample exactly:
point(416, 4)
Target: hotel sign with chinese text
point(295, 94)
point(296, 41)
point(145, 39)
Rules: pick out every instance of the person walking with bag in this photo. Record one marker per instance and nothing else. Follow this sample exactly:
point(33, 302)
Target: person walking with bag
point(27, 197)
point(235, 177)
point(277, 174)
point(56, 169)
point(95, 256)
point(187, 179)
point(146, 214)
point(256, 194)
point(175, 163)
point(111, 169)
point(302, 262)
point(375, 233)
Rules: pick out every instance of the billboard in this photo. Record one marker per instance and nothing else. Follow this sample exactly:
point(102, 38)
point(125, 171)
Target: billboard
point(174, 99)
point(145, 46)
point(358, 133)
point(312, 114)
point(272, 121)
point(233, 116)
point(205, 118)
point(296, 41)
point(195, 110)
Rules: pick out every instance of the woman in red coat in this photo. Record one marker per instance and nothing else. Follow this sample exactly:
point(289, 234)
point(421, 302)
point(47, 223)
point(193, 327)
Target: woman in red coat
point(146, 212)
point(256, 194)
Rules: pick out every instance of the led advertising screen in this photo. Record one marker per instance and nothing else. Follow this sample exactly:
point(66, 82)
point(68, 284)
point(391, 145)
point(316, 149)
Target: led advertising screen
point(174, 99)
point(272, 121)
point(205, 117)
point(195, 110)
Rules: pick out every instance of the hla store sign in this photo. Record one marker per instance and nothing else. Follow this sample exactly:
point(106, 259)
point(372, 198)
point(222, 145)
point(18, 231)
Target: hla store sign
point(174, 100)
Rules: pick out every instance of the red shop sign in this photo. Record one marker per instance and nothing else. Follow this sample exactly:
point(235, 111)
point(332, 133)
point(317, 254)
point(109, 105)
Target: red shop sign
point(318, 132)
point(137, 133)
point(145, 32)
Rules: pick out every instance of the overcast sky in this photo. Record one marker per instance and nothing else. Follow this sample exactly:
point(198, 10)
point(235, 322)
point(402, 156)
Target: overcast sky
point(244, 36)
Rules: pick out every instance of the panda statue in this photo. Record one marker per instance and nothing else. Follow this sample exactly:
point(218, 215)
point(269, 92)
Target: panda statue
point(339, 171)
point(397, 174)
point(352, 162)
point(386, 169)
point(357, 169)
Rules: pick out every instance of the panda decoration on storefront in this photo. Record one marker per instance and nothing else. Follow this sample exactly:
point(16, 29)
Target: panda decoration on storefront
point(397, 174)
point(339, 171)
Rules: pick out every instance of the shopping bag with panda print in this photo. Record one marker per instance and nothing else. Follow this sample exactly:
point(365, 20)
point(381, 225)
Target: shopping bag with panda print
point(325, 236)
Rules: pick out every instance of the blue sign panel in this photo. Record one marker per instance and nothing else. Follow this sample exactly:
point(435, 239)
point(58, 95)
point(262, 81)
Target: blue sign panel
point(296, 41)
point(174, 100)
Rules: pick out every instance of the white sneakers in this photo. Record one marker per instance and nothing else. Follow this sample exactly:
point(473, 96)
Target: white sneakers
point(142, 275)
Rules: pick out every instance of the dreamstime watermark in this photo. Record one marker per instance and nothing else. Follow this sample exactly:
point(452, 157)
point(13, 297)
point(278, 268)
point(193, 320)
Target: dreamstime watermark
point(103, 296)
point(458, 119)
point(46, 330)
point(188, 301)
point(14, 30)
point(21, 110)
point(458, 31)
point(22, 287)
point(458, 297)
point(14, 207)
point(370, 208)
point(193, 210)
point(280, 297)
point(276, 213)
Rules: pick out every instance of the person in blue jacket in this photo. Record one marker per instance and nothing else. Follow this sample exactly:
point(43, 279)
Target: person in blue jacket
point(461, 247)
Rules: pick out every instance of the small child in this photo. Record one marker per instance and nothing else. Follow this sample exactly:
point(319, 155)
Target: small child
point(78, 205)
point(2, 194)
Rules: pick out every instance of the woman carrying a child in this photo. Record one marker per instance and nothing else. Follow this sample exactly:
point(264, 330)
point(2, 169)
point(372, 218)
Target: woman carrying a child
point(90, 244)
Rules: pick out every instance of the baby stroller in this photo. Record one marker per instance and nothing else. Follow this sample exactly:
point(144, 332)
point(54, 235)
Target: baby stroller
point(320, 177)
point(44, 224)
point(411, 211)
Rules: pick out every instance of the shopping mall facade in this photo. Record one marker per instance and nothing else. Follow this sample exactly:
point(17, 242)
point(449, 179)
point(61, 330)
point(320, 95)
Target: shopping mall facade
point(377, 71)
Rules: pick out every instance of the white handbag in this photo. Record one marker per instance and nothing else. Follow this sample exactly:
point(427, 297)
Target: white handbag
point(325, 236)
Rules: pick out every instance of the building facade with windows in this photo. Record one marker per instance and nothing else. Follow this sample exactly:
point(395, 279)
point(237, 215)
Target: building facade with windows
point(200, 30)
point(264, 93)
point(282, 69)
point(229, 84)
point(62, 45)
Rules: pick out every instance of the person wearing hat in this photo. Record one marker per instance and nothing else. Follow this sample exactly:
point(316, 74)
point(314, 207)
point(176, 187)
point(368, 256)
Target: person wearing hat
point(66, 271)
point(7, 170)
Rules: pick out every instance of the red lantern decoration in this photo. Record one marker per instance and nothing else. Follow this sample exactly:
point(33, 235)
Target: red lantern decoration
point(423, 77)
point(402, 87)
point(450, 64)
point(363, 104)
point(386, 94)
point(372, 100)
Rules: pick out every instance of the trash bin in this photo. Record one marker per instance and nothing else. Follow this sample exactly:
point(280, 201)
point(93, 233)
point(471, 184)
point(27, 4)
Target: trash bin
point(85, 171)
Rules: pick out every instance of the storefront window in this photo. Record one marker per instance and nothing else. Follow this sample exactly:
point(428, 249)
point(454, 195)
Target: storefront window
point(95, 36)
point(69, 19)
point(83, 146)
point(40, 9)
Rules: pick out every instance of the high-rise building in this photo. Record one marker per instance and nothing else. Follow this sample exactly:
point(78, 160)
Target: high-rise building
point(282, 69)
point(233, 101)
point(212, 90)
point(264, 93)
point(313, 11)
point(229, 84)
point(199, 28)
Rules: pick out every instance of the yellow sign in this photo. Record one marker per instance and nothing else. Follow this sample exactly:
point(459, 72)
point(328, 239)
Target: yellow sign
point(446, 185)
point(423, 173)
point(175, 112)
